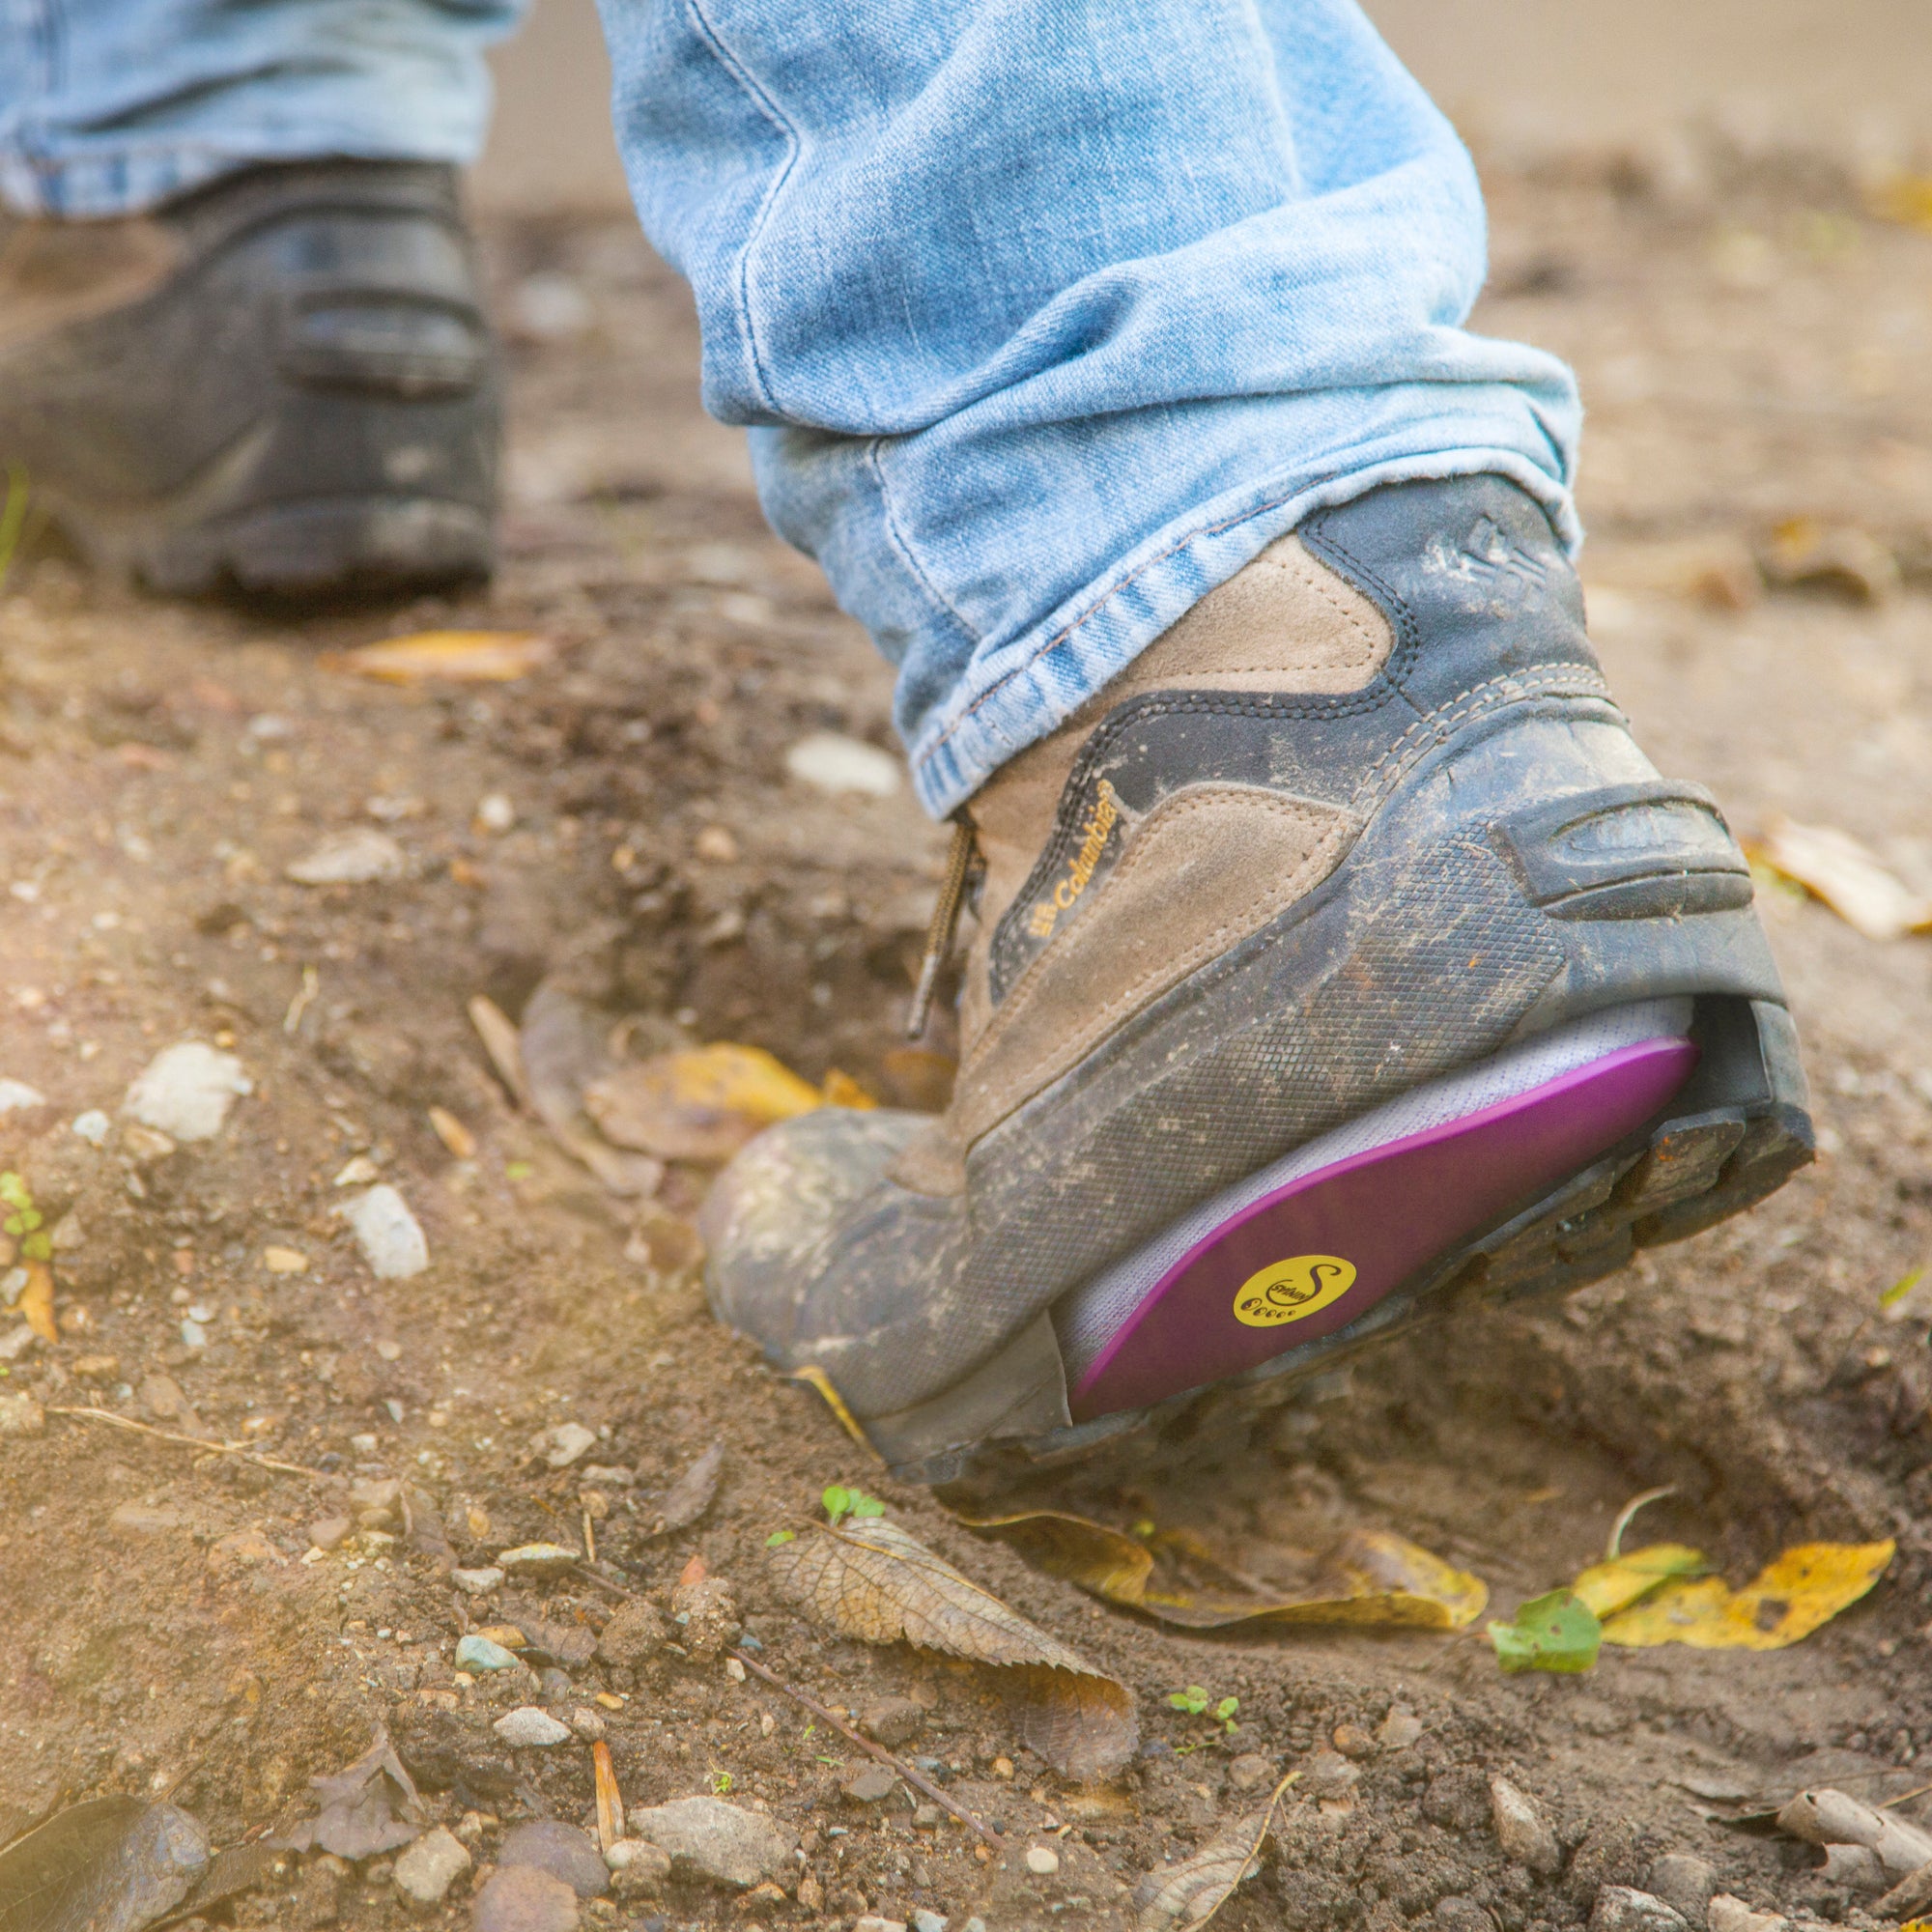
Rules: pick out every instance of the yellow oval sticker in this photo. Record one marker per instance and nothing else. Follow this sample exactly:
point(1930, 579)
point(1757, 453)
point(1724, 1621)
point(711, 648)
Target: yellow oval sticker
point(1286, 1290)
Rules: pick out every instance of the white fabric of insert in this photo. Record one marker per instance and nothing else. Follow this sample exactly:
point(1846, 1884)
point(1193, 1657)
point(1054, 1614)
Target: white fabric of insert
point(1090, 1317)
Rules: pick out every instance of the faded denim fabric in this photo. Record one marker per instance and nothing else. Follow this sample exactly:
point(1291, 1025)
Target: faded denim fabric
point(1045, 316)
point(109, 106)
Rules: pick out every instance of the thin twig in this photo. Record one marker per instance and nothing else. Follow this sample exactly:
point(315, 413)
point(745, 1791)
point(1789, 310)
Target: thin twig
point(866, 1744)
point(1885, 1803)
point(193, 1442)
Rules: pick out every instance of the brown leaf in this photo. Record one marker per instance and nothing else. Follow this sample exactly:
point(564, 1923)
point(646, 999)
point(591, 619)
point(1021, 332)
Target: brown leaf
point(610, 1804)
point(1176, 1898)
point(367, 1808)
point(690, 1497)
point(872, 1579)
point(1369, 1579)
point(563, 1050)
point(1847, 877)
point(494, 1029)
point(109, 1864)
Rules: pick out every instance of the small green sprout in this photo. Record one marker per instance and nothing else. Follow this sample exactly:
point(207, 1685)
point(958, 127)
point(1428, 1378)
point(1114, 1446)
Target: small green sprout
point(779, 1536)
point(24, 1224)
point(840, 1503)
point(719, 1782)
point(1196, 1701)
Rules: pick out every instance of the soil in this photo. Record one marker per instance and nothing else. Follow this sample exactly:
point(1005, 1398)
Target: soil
point(167, 1624)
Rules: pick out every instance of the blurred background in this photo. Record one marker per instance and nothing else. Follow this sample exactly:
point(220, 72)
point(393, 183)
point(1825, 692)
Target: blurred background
point(1526, 80)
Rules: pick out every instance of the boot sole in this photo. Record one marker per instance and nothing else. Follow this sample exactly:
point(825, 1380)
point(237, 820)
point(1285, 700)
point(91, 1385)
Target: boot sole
point(324, 547)
point(1722, 1137)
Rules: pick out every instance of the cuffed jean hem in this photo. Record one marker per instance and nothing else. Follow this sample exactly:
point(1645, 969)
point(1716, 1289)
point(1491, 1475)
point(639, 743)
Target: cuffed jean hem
point(1036, 682)
point(102, 188)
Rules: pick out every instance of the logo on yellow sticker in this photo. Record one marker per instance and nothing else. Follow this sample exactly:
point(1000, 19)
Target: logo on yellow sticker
point(1286, 1290)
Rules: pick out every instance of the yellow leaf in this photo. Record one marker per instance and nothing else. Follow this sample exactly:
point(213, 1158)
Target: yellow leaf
point(842, 1091)
point(700, 1104)
point(813, 1377)
point(1616, 1584)
point(1805, 1587)
point(1369, 1578)
point(874, 1580)
point(36, 1301)
point(457, 657)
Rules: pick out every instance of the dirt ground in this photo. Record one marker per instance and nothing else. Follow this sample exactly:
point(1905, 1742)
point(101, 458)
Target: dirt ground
point(165, 1623)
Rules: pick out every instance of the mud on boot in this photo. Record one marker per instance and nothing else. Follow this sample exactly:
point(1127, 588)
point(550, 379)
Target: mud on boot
point(1343, 959)
point(283, 383)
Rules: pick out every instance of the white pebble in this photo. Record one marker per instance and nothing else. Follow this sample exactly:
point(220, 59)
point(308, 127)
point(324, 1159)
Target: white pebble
point(495, 812)
point(831, 763)
point(93, 1126)
point(16, 1093)
point(1043, 1861)
point(477, 1582)
point(194, 1335)
point(186, 1092)
point(530, 1728)
point(391, 1241)
point(357, 857)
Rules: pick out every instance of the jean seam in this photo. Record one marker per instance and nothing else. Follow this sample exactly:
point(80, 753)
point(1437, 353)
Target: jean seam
point(902, 545)
point(1060, 637)
point(769, 109)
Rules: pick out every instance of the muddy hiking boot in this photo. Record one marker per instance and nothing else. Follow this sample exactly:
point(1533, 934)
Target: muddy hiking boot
point(283, 383)
point(1342, 961)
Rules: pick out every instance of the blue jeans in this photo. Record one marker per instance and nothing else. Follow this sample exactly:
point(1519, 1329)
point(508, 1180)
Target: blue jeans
point(1045, 316)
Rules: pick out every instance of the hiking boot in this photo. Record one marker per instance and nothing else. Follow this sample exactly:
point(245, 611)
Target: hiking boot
point(1343, 960)
point(283, 383)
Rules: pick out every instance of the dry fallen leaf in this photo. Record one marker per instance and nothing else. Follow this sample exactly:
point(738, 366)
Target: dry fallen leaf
point(37, 1301)
point(610, 1804)
point(563, 1049)
point(499, 1035)
point(1851, 880)
point(1804, 1587)
point(1178, 1897)
point(841, 1090)
point(1369, 1579)
point(367, 1808)
point(872, 1581)
point(700, 1104)
point(690, 1497)
point(457, 657)
point(108, 1864)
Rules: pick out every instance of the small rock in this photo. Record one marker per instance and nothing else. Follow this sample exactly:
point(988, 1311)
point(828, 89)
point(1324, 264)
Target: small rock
point(378, 1497)
point(144, 1519)
point(16, 1342)
point(927, 1817)
point(870, 1922)
point(559, 1849)
point(634, 1639)
point(554, 1683)
point(1732, 1915)
point(715, 1841)
point(1400, 1729)
point(163, 1398)
point(1459, 1913)
point(872, 1786)
point(520, 1898)
point(1043, 1861)
point(716, 843)
point(391, 1241)
point(588, 1725)
point(893, 1720)
point(638, 1870)
point(16, 1094)
point(21, 1415)
point(186, 1092)
point(537, 1562)
point(1521, 1830)
point(1351, 1741)
point(1250, 1771)
point(564, 1444)
point(528, 1728)
point(829, 762)
point(284, 1261)
point(144, 1146)
point(923, 1921)
point(479, 1653)
point(495, 812)
point(706, 1616)
point(357, 857)
point(429, 1867)
point(1686, 1881)
point(1622, 1908)
point(93, 1126)
point(477, 1582)
point(242, 1549)
point(1330, 1774)
point(96, 1368)
point(328, 1532)
point(608, 1475)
